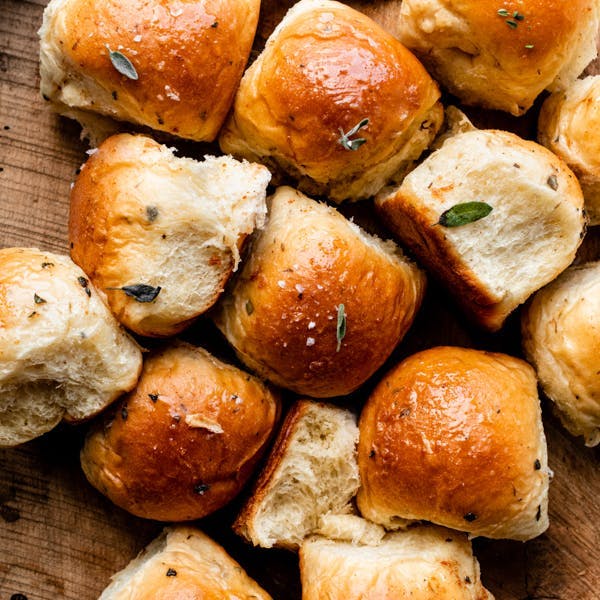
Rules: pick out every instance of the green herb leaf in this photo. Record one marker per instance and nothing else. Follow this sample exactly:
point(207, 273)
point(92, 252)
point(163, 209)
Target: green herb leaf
point(464, 213)
point(355, 144)
point(552, 181)
point(122, 64)
point(529, 46)
point(518, 16)
point(38, 299)
point(503, 12)
point(512, 24)
point(249, 307)
point(140, 291)
point(341, 326)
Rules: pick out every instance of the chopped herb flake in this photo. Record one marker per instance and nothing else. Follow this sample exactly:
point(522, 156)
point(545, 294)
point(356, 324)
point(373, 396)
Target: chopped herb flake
point(537, 465)
point(552, 181)
point(201, 488)
point(38, 299)
point(83, 282)
point(47, 264)
point(470, 517)
point(153, 397)
point(171, 573)
point(249, 307)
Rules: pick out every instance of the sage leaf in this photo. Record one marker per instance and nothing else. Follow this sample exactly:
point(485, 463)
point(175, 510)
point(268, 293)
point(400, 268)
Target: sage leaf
point(464, 213)
point(122, 64)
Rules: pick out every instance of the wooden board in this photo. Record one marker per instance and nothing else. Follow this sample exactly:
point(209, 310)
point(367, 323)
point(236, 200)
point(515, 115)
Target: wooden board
point(59, 538)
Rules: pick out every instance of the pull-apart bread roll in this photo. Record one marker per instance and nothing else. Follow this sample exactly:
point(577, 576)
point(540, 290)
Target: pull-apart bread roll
point(319, 304)
point(183, 563)
point(501, 55)
point(172, 66)
point(62, 353)
point(312, 471)
point(454, 436)
point(160, 235)
point(422, 563)
point(184, 442)
point(569, 125)
point(303, 105)
point(490, 261)
point(561, 338)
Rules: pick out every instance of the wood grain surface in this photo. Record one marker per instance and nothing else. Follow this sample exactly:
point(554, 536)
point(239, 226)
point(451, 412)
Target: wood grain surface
point(59, 538)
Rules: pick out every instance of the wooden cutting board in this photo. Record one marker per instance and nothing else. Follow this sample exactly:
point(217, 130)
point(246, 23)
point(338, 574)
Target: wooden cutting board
point(59, 538)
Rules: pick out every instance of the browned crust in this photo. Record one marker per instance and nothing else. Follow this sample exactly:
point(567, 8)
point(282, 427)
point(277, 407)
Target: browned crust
point(197, 55)
point(452, 435)
point(149, 460)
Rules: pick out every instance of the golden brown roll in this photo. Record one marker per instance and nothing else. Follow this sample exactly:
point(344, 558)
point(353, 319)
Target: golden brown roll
point(185, 440)
point(181, 62)
point(569, 124)
point(319, 304)
point(62, 353)
point(454, 436)
point(490, 261)
point(501, 55)
point(326, 69)
point(144, 219)
point(422, 563)
point(561, 338)
point(183, 563)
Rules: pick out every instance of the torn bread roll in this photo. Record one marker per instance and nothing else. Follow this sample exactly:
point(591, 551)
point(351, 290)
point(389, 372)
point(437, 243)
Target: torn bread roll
point(561, 338)
point(335, 102)
point(159, 234)
point(173, 67)
point(62, 353)
point(182, 562)
point(422, 563)
point(319, 304)
point(183, 443)
point(526, 228)
point(311, 472)
point(501, 55)
point(454, 436)
point(568, 125)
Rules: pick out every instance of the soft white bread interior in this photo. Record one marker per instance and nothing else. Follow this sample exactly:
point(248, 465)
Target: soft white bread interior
point(311, 472)
point(561, 338)
point(568, 125)
point(422, 563)
point(497, 58)
point(454, 436)
point(141, 215)
point(183, 563)
point(185, 61)
point(62, 353)
point(324, 70)
point(307, 308)
point(495, 263)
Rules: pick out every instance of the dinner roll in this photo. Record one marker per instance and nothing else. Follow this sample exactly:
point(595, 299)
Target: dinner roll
point(160, 234)
point(422, 563)
point(328, 79)
point(312, 471)
point(183, 563)
point(561, 338)
point(493, 264)
point(319, 304)
point(501, 55)
point(569, 123)
point(184, 442)
point(173, 67)
point(454, 436)
point(62, 354)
